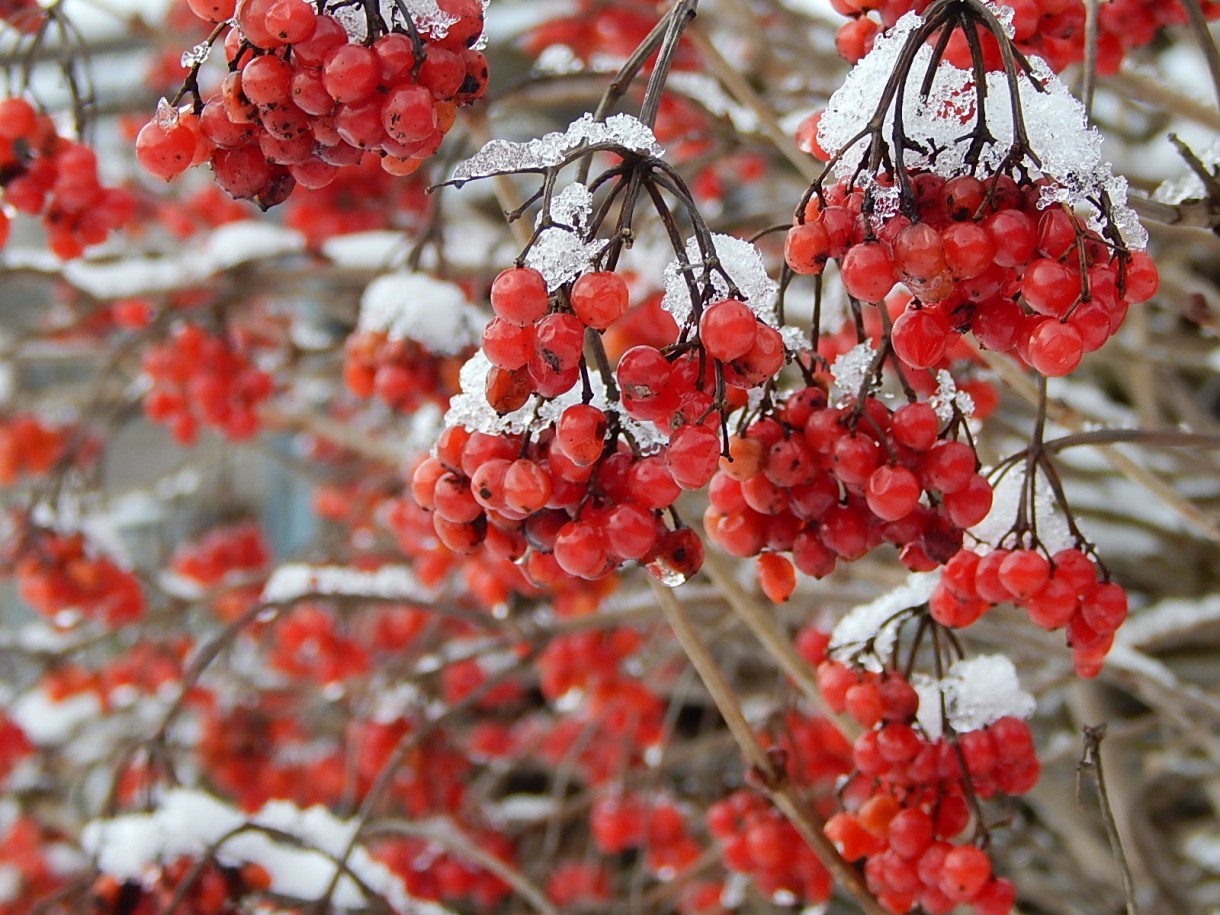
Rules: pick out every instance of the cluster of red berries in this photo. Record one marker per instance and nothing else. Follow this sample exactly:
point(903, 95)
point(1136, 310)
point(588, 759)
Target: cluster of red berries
point(307, 644)
point(1051, 29)
point(908, 798)
point(28, 446)
point(535, 350)
point(304, 98)
point(230, 549)
point(435, 874)
point(1063, 591)
point(14, 745)
point(211, 889)
point(826, 483)
point(197, 377)
point(979, 256)
point(361, 198)
point(557, 505)
point(756, 840)
point(47, 175)
point(58, 573)
point(401, 373)
point(622, 821)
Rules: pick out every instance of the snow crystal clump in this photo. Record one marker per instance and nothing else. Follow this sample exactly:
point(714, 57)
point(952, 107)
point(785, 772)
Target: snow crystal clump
point(948, 398)
point(850, 370)
point(1055, 123)
point(977, 692)
point(418, 307)
point(471, 409)
point(874, 626)
point(741, 260)
point(503, 157)
point(297, 579)
point(560, 252)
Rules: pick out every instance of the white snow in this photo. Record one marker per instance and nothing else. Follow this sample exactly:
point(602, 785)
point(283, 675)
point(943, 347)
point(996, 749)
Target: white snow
point(419, 307)
point(850, 370)
point(947, 398)
point(502, 157)
point(977, 692)
point(48, 723)
point(560, 252)
point(876, 621)
point(190, 823)
point(296, 580)
point(1055, 122)
point(1006, 498)
point(471, 409)
point(742, 261)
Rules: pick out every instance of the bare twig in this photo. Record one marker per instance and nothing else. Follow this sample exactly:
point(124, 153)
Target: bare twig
point(1090, 761)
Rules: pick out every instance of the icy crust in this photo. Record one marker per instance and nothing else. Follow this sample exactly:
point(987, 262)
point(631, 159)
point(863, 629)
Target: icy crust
point(868, 632)
point(560, 252)
point(850, 370)
point(301, 865)
point(504, 157)
point(419, 307)
point(948, 399)
point(976, 692)
point(743, 262)
point(1055, 123)
point(471, 409)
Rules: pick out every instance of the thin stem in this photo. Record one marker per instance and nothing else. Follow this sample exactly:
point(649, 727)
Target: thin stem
point(1203, 35)
point(1091, 761)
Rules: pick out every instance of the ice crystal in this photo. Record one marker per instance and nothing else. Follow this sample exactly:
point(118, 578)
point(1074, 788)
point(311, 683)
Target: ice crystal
point(196, 55)
point(948, 398)
point(850, 370)
point(1056, 125)
point(503, 157)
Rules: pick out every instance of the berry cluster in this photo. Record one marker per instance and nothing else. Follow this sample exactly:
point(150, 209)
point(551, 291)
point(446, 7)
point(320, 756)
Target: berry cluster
point(1051, 29)
point(233, 549)
point(361, 198)
point(533, 349)
point(209, 890)
point(401, 373)
point(756, 840)
point(304, 98)
point(28, 446)
point(433, 873)
point(977, 256)
point(622, 821)
point(827, 483)
point(557, 505)
point(47, 175)
point(196, 377)
point(911, 796)
point(58, 574)
point(307, 644)
point(1062, 591)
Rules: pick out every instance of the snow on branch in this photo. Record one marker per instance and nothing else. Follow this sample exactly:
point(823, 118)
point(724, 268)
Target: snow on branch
point(505, 157)
point(190, 823)
point(1055, 122)
point(418, 307)
point(868, 632)
point(976, 692)
point(296, 580)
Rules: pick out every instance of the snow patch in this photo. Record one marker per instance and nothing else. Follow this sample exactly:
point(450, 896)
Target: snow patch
point(874, 626)
point(977, 692)
point(296, 580)
point(419, 307)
